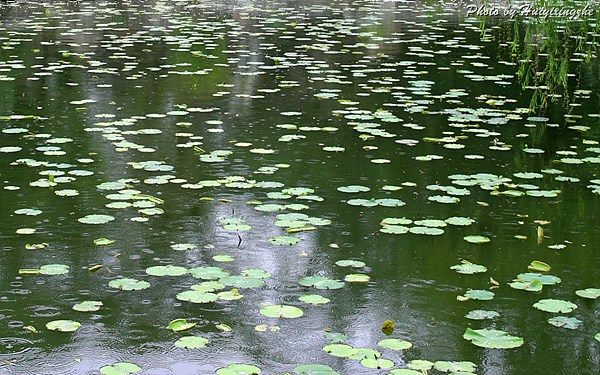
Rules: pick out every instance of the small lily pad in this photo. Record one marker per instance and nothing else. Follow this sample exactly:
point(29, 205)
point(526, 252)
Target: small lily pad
point(191, 342)
point(591, 293)
point(538, 266)
point(395, 344)
point(350, 263)
point(63, 325)
point(96, 219)
point(468, 268)
point(167, 270)
point(455, 367)
point(195, 296)
point(340, 350)
point(482, 314)
point(565, 322)
point(314, 299)
point(555, 306)
point(239, 369)
point(483, 295)
point(87, 306)
point(314, 370)
point(357, 278)
point(103, 242)
point(491, 338)
point(476, 239)
point(284, 240)
point(377, 363)
point(179, 325)
point(321, 282)
point(281, 311)
point(54, 269)
point(120, 368)
point(129, 284)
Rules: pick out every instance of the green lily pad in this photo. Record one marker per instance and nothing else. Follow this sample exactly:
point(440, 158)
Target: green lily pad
point(208, 273)
point(96, 219)
point(482, 314)
point(420, 364)
point(321, 282)
point(242, 281)
point(394, 229)
point(405, 371)
point(239, 369)
point(191, 342)
point(335, 337)
point(54, 269)
point(281, 311)
point(459, 221)
point(426, 231)
point(120, 368)
point(491, 338)
point(357, 278)
point(350, 263)
point(208, 286)
point(184, 246)
point(314, 370)
point(530, 286)
point(167, 270)
point(476, 239)
point(353, 189)
point(565, 322)
point(284, 240)
point(538, 266)
point(103, 242)
point(179, 325)
point(555, 306)
point(468, 268)
point(395, 344)
point(230, 295)
point(63, 325)
point(544, 279)
point(591, 293)
point(462, 366)
point(87, 306)
point(255, 273)
point(195, 296)
point(597, 336)
point(340, 350)
point(377, 363)
point(314, 299)
point(483, 295)
point(129, 284)
point(222, 258)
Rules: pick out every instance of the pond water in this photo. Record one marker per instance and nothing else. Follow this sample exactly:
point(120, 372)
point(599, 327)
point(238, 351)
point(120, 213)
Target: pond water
point(351, 150)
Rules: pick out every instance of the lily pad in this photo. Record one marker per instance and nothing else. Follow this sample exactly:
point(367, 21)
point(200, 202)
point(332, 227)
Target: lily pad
point(281, 311)
point(340, 350)
point(167, 270)
point(321, 282)
point(565, 322)
point(87, 306)
point(538, 266)
point(491, 338)
point(405, 371)
point(476, 239)
point(103, 242)
point(242, 281)
point(314, 370)
point(314, 299)
point(284, 240)
point(462, 366)
point(353, 189)
point(468, 268)
point(350, 263)
point(63, 325)
point(120, 368)
point(96, 219)
point(482, 314)
point(208, 273)
point(195, 296)
point(256, 273)
point(191, 342)
point(544, 279)
point(591, 293)
point(395, 344)
point(129, 284)
point(555, 306)
point(178, 325)
point(377, 363)
point(483, 295)
point(357, 278)
point(54, 269)
point(239, 369)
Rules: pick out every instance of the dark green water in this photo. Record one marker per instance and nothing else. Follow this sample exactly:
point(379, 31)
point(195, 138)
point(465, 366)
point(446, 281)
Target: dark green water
point(393, 82)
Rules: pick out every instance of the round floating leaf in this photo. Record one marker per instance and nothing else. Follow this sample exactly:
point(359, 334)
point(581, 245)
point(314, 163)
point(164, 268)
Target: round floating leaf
point(591, 293)
point(103, 242)
point(538, 266)
point(129, 284)
point(314, 299)
point(394, 229)
point(555, 306)
point(340, 350)
point(314, 370)
point(179, 325)
point(167, 270)
point(284, 240)
point(461, 221)
point(405, 371)
point(191, 342)
point(350, 263)
point(242, 282)
point(87, 306)
point(281, 311)
point(54, 269)
point(481, 314)
point(195, 296)
point(239, 369)
point(483, 295)
point(427, 231)
point(256, 273)
point(120, 368)
point(95, 219)
point(565, 322)
point(357, 278)
point(447, 366)
point(237, 227)
point(378, 363)
point(208, 286)
point(597, 337)
point(321, 282)
point(492, 338)
point(544, 279)
point(530, 286)
point(208, 273)
point(468, 268)
point(222, 258)
point(396, 221)
point(353, 189)
point(63, 325)
point(230, 295)
point(476, 239)
point(395, 344)
point(420, 364)
point(184, 246)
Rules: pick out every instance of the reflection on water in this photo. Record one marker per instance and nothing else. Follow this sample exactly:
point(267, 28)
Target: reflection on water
point(202, 111)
